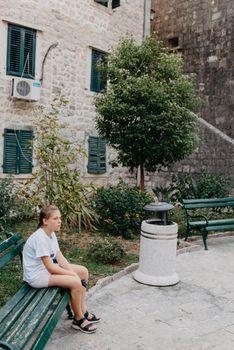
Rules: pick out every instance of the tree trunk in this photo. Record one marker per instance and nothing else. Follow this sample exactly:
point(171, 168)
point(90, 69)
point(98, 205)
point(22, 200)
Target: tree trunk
point(142, 178)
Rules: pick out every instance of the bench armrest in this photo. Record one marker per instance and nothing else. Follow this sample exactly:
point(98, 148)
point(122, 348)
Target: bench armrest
point(198, 217)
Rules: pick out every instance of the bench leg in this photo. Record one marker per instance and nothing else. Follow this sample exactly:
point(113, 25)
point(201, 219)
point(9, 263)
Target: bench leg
point(204, 237)
point(187, 233)
point(69, 312)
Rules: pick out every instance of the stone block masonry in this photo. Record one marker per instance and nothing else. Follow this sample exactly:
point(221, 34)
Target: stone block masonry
point(202, 32)
point(76, 27)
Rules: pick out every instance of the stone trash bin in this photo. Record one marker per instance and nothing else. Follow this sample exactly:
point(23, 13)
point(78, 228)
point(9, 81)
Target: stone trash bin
point(158, 248)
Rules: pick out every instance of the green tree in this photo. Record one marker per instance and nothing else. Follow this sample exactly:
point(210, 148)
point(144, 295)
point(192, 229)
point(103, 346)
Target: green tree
point(145, 112)
point(56, 180)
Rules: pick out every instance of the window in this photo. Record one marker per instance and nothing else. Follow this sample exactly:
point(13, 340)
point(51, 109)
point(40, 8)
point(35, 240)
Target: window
point(21, 50)
point(17, 156)
point(173, 42)
point(96, 155)
point(102, 2)
point(98, 82)
point(115, 3)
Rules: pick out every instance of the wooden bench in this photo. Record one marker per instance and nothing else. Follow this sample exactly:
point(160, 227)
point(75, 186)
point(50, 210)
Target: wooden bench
point(202, 222)
point(30, 316)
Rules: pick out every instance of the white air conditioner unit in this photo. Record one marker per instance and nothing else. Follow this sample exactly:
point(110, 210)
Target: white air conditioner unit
point(26, 89)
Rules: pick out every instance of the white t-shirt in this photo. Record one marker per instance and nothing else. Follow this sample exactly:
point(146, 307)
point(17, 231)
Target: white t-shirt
point(37, 245)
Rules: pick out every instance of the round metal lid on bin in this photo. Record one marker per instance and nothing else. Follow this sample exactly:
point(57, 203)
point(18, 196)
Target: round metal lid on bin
point(161, 207)
point(158, 206)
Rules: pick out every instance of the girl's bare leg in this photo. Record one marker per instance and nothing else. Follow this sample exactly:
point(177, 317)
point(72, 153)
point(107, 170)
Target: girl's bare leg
point(74, 284)
point(83, 273)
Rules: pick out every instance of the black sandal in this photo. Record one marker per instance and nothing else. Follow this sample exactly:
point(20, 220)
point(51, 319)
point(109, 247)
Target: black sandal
point(77, 324)
point(93, 318)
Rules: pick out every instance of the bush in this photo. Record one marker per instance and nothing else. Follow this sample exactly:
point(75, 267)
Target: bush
point(204, 186)
point(212, 185)
point(120, 209)
point(105, 251)
point(56, 181)
point(183, 186)
point(13, 205)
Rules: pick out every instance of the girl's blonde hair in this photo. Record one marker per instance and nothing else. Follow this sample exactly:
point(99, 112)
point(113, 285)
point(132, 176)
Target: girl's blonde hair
point(46, 212)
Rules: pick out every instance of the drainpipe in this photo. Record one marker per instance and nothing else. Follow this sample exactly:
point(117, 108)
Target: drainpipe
point(147, 7)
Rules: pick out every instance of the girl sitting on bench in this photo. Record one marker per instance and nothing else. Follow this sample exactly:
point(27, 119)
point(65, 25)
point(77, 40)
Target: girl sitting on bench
point(45, 266)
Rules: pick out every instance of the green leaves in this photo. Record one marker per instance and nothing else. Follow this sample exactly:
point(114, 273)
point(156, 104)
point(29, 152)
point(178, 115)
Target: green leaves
point(56, 179)
point(120, 209)
point(145, 113)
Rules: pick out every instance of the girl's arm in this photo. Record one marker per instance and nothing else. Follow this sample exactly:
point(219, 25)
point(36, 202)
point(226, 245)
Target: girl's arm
point(62, 261)
point(55, 269)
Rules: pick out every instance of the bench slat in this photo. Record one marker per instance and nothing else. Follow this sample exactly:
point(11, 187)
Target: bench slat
point(15, 308)
point(6, 258)
point(8, 307)
point(208, 205)
point(211, 222)
point(220, 227)
point(13, 327)
point(208, 200)
point(10, 241)
point(48, 328)
point(5, 346)
point(29, 321)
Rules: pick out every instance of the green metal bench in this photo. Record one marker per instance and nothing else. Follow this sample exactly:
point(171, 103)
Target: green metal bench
point(201, 221)
point(30, 316)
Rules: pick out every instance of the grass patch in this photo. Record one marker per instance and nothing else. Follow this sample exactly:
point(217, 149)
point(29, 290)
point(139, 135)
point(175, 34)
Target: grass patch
point(74, 247)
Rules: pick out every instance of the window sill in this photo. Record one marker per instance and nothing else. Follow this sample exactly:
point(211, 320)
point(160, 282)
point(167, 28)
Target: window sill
point(16, 176)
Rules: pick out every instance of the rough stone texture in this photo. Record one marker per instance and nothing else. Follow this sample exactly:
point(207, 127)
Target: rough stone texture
point(202, 31)
point(205, 38)
point(77, 27)
point(214, 153)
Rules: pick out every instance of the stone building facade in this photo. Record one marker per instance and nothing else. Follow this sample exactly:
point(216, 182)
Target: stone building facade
point(202, 31)
point(53, 43)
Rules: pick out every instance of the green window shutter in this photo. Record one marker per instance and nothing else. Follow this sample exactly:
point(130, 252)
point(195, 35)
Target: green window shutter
point(21, 51)
point(98, 83)
point(102, 2)
point(17, 155)
point(10, 154)
point(115, 3)
point(25, 151)
point(29, 53)
point(14, 50)
point(96, 155)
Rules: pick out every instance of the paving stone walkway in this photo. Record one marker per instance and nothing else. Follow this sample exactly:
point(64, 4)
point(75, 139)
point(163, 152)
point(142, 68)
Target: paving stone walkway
point(195, 314)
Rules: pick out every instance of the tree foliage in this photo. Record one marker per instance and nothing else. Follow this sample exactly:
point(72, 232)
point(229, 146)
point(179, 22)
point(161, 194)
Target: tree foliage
point(145, 112)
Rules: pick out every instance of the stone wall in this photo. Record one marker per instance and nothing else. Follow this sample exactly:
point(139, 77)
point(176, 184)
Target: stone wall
point(76, 27)
point(215, 154)
point(202, 31)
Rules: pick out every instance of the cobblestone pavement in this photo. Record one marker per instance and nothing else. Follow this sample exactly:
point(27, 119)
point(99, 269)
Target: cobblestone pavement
point(195, 314)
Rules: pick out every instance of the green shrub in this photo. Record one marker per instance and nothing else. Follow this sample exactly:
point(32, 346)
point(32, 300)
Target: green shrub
point(105, 251)
point(120, 209)
point(163, 193)
point(205, 185)
point(55, 179)
point(14, 206)
point(183, 186)
point(212, 185)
